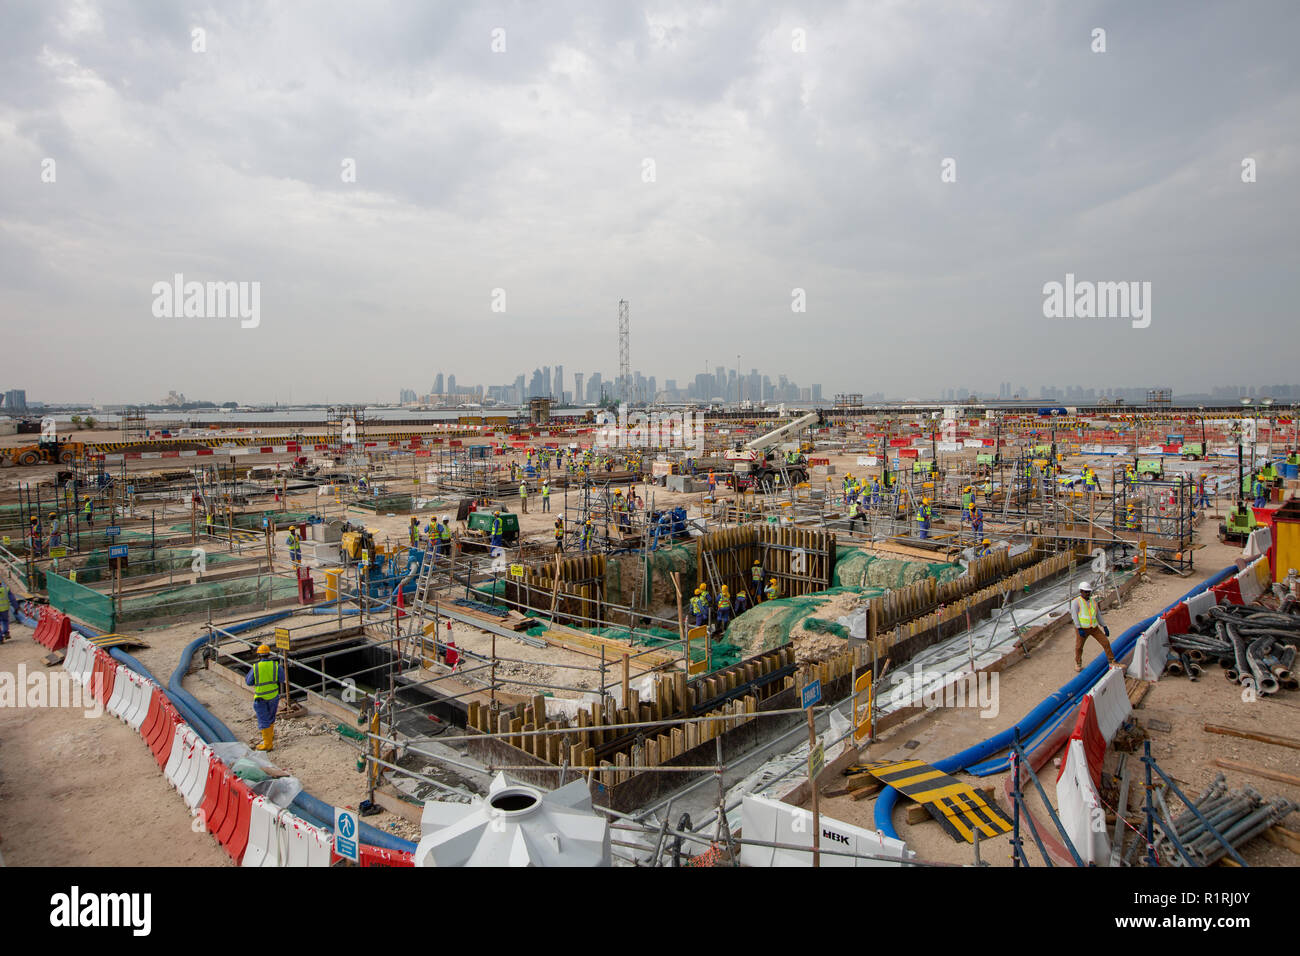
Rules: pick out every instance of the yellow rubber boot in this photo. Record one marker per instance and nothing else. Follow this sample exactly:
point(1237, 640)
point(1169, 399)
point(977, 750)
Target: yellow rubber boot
point(268, 739)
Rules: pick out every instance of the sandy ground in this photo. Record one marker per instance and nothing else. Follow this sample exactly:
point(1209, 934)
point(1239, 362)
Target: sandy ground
point(1184, 751)
point(79, 790)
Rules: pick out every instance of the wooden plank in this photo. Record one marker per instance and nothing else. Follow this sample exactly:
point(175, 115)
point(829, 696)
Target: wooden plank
point(1283, 837)
point(1257, 771)
point(1276, 740)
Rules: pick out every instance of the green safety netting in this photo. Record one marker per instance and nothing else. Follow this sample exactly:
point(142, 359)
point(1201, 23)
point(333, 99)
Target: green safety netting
point(857, 568)
point(252, 520)
point(202, 597)
point(81, 602)
point(770, 624)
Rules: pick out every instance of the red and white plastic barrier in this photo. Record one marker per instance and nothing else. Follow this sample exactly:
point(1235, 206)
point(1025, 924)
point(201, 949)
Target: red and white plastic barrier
point(1079, 806)
point(1151, 652)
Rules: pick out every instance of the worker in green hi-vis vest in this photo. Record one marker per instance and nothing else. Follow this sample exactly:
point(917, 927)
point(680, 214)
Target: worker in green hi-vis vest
point(265, 677)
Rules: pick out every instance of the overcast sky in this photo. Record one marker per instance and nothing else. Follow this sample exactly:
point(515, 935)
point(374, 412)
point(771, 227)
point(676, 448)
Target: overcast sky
point(794, 146)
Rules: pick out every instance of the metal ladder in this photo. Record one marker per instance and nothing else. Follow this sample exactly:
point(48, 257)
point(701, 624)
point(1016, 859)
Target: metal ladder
point(418, 613)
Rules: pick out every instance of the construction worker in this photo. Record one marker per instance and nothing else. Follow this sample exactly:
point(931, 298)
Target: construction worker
point(413, 532)
point(706, 602)
point(588, 533)
point(36, 537)
point(713, 485)
point(724, 608)
point(756, 578)
point(1131, 521)
point(976, 517)
point(773, 591)
point(1202, 494)
point(546, 493)
point(265, 677)
point(56, 538)
point(444, 536)
point(853, 513)
point(523, 496)
point(968, 497)
point(1090, 480)
point(295, 546)
point(497, 525)
point(695, 607)
point(875, 493)
point(923, 518)
point(740, 604)
point(208, 524)
point(1087, 623)
point(89, 512)
point(559, 535)
point(1259, 491)
point(4, 611)
point(985, 550)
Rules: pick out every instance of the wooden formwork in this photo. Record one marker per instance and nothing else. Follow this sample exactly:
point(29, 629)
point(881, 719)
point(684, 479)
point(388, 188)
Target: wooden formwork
point(802, 560)
point(571, 589)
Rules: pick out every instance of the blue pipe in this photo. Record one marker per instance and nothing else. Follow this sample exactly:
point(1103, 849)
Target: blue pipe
point(180, 694)
point(1052, 705)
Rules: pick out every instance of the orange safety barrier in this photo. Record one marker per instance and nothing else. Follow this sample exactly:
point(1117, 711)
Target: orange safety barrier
point(1228, 592)
point(233, 832)
point(1178, 619)
point(149, 724)
point(53, 629)
point(166, 734)
point(212, 793)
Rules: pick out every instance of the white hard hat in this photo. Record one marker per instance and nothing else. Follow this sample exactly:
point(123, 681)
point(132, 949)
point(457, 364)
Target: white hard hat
point(1085, 585)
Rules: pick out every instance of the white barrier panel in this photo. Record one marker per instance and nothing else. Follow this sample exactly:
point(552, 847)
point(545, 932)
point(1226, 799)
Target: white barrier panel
point(308, 846)
point(263, 834)
point(180, 746)
point(195, 781)
point(772, 821)
point(121, 691)
point(77, 658)
point(1260, 540)
point(1151, 652)
point(1248, 581)
point(1199, 604)
point(139, 708)
point(1110, 701)
point(1079, 808)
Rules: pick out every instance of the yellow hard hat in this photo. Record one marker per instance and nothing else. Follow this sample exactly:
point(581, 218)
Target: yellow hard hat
point(773, 581)
point(986, 540)
point(925, 501)
point(263, 649)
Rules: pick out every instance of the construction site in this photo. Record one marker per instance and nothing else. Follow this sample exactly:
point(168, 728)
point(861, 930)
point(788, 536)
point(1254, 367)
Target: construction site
point(837, 636)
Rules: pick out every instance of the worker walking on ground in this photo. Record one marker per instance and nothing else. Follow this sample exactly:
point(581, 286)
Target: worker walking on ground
point(523, 496)
point(89, 512)
point(1087, 623)
point(546, 493)
point(496, 541)
point(265, 677)
point(1260, 492)
point(4, 611)
point(588, 533)
point(1202, 495)
point(295, 546)
point(209, 524)
point(713, 486)
point(853, 513)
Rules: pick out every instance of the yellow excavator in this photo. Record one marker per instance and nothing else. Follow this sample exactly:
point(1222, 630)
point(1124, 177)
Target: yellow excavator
point(45, 451)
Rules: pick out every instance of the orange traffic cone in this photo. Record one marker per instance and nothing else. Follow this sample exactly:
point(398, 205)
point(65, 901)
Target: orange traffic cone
point(401, 603)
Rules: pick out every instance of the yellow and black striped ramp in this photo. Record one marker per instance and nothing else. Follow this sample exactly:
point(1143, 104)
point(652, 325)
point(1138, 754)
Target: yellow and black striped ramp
point(116, 640)
point(956, 805)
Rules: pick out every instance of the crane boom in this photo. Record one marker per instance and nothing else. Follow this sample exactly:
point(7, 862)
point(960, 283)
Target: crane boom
point(763, 442)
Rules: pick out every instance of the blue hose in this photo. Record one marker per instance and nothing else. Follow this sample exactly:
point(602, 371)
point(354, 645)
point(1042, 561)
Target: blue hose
point(1052, 706)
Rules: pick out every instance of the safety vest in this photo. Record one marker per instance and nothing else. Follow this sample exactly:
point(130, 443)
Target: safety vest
point(559, 532)
point(756, 574)
point(4, 597)
point(546, 491)
point(496, 526)
point(266, 685)
point(695, 604)
point(1087, 612)
point(853, 510)
point(90, 506)
point(443, 533)
point(724, 603)
point(292, 542)
point(772, 592)
point(523, 491)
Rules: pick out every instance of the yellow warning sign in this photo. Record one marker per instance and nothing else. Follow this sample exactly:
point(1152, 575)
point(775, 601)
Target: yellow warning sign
point(862, 708)
point(282, 638)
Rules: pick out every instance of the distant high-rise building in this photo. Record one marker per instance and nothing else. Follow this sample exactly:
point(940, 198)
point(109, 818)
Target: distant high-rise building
point(437, 384)
point(16, 400)
point(578, 396)
point(451, 384)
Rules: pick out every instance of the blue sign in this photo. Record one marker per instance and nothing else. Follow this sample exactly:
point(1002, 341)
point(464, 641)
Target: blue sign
point(812, 694)
point(117, 551)
point(113, 532)
point(345, 835)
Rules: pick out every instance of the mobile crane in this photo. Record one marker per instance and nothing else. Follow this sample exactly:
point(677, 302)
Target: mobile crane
point(752, 463)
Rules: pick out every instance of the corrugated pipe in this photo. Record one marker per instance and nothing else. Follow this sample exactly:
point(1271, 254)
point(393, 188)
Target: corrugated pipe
point(1052, 706)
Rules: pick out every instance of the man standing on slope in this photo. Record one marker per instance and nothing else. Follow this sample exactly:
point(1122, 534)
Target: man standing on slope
point(1087, 623)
